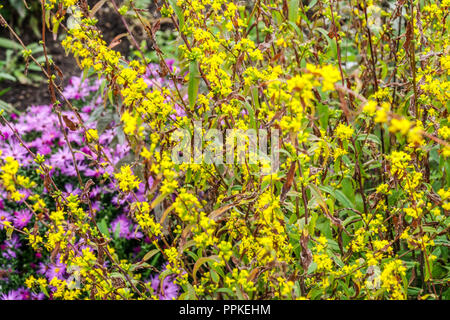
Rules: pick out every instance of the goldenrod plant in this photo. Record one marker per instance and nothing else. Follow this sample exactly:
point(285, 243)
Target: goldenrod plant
point(347, 199)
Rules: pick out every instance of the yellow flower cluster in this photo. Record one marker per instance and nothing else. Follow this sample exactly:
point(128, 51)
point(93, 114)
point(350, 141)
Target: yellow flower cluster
point(127, 181)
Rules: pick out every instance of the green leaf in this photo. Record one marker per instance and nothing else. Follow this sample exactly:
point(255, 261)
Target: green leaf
point(342, 198)
point(428, 269)
point(155, 259)
point(9, 232)
point(20, 8)
point(21, 77)
point(384, 69)
point(214, 276)
point(104, 227)
point(3, 91)
point(117, 231)
point(9, 44)
point(323, 111)
point(312, 222)
point(44, 290)
point(193, 84)
point(339, 195)
point(178, 12)
point(315, 192)
point(201, 261)
point(150, 254)
point(312, 4)
point(165, 274)
point(191, 292)
point(7, 107)
point(347, 188)
point(110, 97)
point(370, 137)
point(331, 43)
point(7, 76)
point(293, 10)
point(227, 291)
point(251, 114)
point(350, 219)
point(429, 229)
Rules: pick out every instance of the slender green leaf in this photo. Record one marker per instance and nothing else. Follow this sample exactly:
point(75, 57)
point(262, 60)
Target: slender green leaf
point(193, 84)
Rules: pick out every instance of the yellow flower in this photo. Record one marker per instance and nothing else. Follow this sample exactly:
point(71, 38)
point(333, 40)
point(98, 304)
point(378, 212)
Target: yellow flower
point(127, 181)
point(92, 135)
point(370, 107)
point(401, 126)
point(444, 132)
point(344, 132)
point(145, 153)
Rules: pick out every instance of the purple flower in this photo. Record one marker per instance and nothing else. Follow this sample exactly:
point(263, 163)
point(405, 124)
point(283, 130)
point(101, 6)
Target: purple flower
point(37, 296)
point(87, 109)
point(11, 295)
point(95, 191)
point(48, 136)
point(21, 294)
point(22, 218)
point(41, 146)
point(16, 151)
point(14, 242)
point(179, 112)
point(24, 294)
point(53, 270)
point(60, 158)
point(96, 206)
point(79, 88)
point(93, 172)
point(168, 290)
point(124, 226)
point(4, 216)
point(43, 268)
point(70, 190)
point(57, 270)
point(10, 247)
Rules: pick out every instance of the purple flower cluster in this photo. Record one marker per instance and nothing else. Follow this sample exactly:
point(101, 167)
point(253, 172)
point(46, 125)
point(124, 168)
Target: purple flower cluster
point(125, 228)
point(53, 270)
point(41, 129)
point(168, 289)
point(79, 88)
point(21, 294)
point(10, 247)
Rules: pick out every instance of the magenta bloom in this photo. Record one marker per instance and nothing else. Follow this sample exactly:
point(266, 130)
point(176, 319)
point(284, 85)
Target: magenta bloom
point(78, 89)
point(4, 216)
point(22, 218)
point(21, 294)
point(125, 228)
point(37, 296)
point(70, 190)
point(10, 247)
point(168, 291)
point(57, 270)
point(43, 268)
point(41, 146)
point(11, 295)
point(122, 224)
point(61, 157)
point(16, 151)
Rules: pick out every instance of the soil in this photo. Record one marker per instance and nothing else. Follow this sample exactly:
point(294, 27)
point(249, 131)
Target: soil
point(22, 96)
